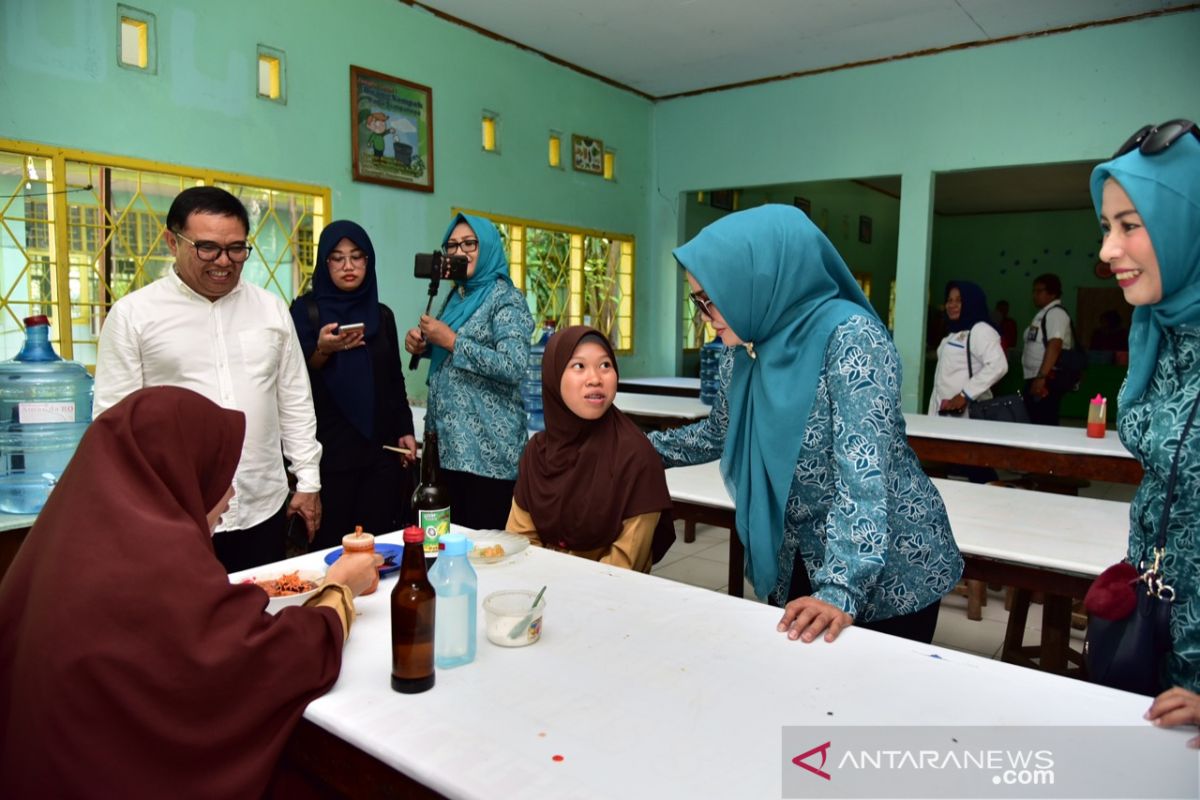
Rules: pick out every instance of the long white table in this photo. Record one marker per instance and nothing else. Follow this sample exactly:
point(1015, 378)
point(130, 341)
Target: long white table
point(665, 385)
point(1034, 541)
point(644, 687)
point(661, 411)
point(1044, 449)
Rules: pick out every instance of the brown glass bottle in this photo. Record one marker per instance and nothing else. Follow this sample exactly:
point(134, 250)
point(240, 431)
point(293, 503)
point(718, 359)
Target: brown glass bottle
point(413, 604)
point(431, 500)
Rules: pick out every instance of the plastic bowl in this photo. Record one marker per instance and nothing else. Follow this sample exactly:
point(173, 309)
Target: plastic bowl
point(506, 610)
point(277, 604)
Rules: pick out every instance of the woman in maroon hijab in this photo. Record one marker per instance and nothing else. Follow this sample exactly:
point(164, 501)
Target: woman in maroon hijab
point(129, 666)
point(591, 484)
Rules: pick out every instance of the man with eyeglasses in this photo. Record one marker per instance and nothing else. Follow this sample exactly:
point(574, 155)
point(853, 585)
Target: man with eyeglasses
point(202, 328)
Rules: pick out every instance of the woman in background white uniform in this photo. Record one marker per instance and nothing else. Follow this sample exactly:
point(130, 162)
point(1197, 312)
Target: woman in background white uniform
point(962, 377)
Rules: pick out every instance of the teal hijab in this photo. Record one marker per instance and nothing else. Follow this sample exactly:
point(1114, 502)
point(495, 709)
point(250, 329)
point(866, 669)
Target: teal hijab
point(490, 265)
point(1165, 190)
point(780, 285)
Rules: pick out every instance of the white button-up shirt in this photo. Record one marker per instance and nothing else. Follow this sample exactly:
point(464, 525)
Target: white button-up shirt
point(241, 352)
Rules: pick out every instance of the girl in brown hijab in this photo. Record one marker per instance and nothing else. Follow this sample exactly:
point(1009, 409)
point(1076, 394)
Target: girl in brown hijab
point(129, 665)
point(591, 484)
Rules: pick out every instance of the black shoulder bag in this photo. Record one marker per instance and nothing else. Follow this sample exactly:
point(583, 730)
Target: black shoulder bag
point(1007, 408)
point(1068, 369)
point(1129, 614)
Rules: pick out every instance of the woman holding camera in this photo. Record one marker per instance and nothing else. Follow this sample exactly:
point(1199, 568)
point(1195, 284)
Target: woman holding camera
point(358, 389)
point(478, 348)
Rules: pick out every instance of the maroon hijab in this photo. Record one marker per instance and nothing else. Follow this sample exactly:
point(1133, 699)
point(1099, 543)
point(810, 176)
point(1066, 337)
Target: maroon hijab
point(129, 666)
point(582, 478)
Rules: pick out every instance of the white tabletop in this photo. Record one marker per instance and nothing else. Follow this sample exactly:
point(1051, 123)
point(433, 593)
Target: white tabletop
point(1051, 439)
point(1069, 534)
point(651, 688)
point(660, 405)
point(665, 382)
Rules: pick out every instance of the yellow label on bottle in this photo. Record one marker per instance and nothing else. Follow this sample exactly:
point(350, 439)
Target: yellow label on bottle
point(436, 523)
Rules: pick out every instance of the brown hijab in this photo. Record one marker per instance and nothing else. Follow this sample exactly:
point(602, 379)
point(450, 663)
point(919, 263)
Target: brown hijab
point(581, 479)
point(129, 666)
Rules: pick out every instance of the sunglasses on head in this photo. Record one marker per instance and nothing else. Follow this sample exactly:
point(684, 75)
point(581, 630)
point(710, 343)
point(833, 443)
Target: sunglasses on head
point(1153, 139)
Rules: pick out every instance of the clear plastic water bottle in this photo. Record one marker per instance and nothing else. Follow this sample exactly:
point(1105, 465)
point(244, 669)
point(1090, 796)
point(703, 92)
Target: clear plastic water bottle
point(457, 588)
point(710, 368)
point(45, 406)
point(531, 387)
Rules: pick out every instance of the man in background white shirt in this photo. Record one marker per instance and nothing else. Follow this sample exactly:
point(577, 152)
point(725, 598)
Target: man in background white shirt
point(200, 327)
point(1045, 339)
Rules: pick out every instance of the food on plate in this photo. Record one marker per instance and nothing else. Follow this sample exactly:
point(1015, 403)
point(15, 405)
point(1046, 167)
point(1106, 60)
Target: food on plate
point(490, 551)
point(286, 585)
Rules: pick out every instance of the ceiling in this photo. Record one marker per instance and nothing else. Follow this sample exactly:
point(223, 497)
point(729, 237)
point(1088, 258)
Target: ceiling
point(663, 48)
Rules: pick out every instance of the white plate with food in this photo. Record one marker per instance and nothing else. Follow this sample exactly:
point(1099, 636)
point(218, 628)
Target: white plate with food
point(494, 547)
point(286, 588)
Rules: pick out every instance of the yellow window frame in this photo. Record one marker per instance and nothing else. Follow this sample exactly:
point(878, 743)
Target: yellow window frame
point(626, 260)
point(58, 222)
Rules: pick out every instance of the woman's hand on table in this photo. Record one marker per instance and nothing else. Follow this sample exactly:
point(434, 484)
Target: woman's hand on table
point(806, 618)
point(437, 332)
point(356, 570)
point(1176, 707)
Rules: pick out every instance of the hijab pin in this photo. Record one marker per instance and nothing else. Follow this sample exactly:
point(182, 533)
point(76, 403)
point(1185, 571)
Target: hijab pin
point(750, 349)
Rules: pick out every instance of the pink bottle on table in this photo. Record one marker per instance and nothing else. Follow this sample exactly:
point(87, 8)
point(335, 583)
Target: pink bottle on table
point(1097, 417)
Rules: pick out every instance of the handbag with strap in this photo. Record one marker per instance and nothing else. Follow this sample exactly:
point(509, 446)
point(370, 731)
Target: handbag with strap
point(1006, 408)
point(1129, 624)
point(1068, 369)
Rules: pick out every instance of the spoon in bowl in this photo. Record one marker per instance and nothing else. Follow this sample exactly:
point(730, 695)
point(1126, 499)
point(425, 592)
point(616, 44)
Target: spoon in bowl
point(527, 620)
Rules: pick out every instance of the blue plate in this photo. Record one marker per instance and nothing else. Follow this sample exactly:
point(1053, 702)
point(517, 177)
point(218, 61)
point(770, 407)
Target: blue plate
point(391, 557)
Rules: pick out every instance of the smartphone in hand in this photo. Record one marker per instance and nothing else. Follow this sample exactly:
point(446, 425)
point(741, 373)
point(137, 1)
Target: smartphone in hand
point(350, 327)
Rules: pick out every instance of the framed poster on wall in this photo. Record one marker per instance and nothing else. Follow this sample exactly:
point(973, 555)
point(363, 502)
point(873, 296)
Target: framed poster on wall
point(391, 130)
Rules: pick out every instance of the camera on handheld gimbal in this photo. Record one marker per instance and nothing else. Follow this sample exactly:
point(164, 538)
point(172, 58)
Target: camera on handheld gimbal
point(436, 267)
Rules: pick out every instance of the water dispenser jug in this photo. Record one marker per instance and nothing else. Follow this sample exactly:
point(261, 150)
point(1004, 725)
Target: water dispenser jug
point(45, 406)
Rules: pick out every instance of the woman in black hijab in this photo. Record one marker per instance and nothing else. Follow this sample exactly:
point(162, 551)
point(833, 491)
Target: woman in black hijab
point(358, 389)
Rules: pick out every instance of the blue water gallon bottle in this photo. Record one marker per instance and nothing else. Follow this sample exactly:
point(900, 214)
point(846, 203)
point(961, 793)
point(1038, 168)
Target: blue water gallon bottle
point(457, 587)
point(45, 406)
point(710, 368)
point(531, 387)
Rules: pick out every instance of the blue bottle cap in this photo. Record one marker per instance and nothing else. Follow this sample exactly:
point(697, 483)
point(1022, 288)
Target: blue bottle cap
point(454, 544)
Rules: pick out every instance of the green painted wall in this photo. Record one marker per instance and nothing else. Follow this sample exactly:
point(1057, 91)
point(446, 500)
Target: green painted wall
point(1068, 97)
point(60, 84)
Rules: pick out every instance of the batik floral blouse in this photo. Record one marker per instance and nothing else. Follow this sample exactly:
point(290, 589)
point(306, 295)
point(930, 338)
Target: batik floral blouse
point(1150, 429)
point(475, 397)
point(871, 526)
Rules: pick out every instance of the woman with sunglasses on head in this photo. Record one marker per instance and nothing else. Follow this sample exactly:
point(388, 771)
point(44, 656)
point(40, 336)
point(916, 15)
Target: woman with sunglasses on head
point(1148, 200)
point(591, 484)
point(358, 389)
point(839, 521)
point(478, 349)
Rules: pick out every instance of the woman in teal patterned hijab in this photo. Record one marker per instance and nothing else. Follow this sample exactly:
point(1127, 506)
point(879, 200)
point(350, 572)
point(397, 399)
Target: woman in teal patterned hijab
point(1148, 201)
point(478, 348)
point(838, 519)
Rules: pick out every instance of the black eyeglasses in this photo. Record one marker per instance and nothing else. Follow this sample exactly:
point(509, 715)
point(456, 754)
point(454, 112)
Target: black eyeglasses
point(702, 303)
point(211, 251)
point(1153, 139)
point(465, 246)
